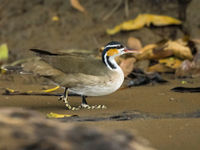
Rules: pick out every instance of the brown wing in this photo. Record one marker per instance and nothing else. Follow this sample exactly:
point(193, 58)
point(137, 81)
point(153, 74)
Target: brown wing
point(72, 64)
point(67, 70)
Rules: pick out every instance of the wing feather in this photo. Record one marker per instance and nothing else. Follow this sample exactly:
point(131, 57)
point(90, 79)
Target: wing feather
point(72, 64)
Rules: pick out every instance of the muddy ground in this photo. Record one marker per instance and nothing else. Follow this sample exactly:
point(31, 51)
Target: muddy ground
point(169, 120)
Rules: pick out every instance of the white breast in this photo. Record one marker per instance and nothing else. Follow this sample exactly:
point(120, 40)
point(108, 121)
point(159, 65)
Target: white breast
point(103, 85)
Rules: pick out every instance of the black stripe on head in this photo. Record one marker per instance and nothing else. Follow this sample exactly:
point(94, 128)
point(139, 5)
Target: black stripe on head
point(104, 53)
point(110, 64)
point(113, 43)
point(110, 45)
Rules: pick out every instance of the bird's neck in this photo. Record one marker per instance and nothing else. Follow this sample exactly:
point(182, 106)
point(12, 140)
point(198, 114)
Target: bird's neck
point(110, 62)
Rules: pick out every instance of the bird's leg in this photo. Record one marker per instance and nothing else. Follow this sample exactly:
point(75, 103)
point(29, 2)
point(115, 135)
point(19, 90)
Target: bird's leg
point(64, 98)
point(84, 104)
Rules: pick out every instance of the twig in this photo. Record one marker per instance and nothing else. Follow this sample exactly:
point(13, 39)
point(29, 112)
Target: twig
point(112, 11)
point(126, 8)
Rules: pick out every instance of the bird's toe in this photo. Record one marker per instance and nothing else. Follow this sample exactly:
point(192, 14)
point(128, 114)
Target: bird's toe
point(93, 107)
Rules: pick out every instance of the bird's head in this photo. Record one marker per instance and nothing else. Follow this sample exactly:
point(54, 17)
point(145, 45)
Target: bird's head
point(113, 49)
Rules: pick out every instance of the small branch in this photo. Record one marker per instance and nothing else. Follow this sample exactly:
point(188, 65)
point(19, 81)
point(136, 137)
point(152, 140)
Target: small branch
point(126, 8)
point(112, 11)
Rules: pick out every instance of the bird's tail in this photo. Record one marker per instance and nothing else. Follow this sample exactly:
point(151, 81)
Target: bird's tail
point(17, 66)
point(13, 69)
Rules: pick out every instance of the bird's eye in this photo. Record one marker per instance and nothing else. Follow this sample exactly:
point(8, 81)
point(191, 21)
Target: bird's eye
point(119, 47)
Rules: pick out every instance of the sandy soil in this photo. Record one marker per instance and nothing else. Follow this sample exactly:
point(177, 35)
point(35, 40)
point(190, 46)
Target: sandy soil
point(167, 119)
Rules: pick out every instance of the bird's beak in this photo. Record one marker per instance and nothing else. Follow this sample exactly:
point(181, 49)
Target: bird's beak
point(136, 51)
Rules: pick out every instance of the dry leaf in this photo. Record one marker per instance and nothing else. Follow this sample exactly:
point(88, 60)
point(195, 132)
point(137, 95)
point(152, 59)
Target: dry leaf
point(55, 115)
point(76, 4)
point(3, 52)
point(55, 18)
point(142, 64)
point(185, 69)
point(153, 51)
point(146, 52)
point(188, 68)
point(171, 62)
point(179, 48)
point(51, 90)
point(127, 65)
point(159, 68)
point(134, 43)
point(144, 19)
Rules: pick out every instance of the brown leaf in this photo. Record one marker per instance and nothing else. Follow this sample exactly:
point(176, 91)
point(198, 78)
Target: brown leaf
point(179, 48)
point(76, 4)
point(188, 68)
point(185, 69)
point(144, 19)
point(55, 18)
point(171, 62)
point(142, 64)
point(127, 65)
point(146, 52)
point(134, 43)
point(160, 68)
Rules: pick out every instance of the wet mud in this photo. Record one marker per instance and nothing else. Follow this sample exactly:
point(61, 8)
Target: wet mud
point(169, 120)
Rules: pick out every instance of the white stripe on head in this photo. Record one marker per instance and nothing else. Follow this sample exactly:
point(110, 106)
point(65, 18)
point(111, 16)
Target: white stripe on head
point(116, 45)
point(105, 59)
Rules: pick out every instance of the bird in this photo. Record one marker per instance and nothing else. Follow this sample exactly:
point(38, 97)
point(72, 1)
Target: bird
point(81, 74)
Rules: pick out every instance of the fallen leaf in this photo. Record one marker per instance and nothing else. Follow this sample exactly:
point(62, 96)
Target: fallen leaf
point(55, 115)
point(179, 48)
point(146, 52)
point(185, 70)
point(139, 77)
point(183, 82)
point(189, 68)
point(196, 41)
point(3, 52)
point(134, 43)
point(186, 89)
point(171, 62)
point(142, 64)
point(52, 89)
point(55, 18)
point(159, 68)
point(127, 65)
point(144, 19)
point(76, 4)
point(196, 59)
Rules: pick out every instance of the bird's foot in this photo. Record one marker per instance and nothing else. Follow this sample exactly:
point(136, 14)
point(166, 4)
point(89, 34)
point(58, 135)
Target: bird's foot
point(61, 98)
point(82, 106)
point(86, 106)
point(70, 107)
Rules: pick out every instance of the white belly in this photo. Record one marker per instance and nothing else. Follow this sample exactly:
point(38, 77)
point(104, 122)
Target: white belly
point(102, 88)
